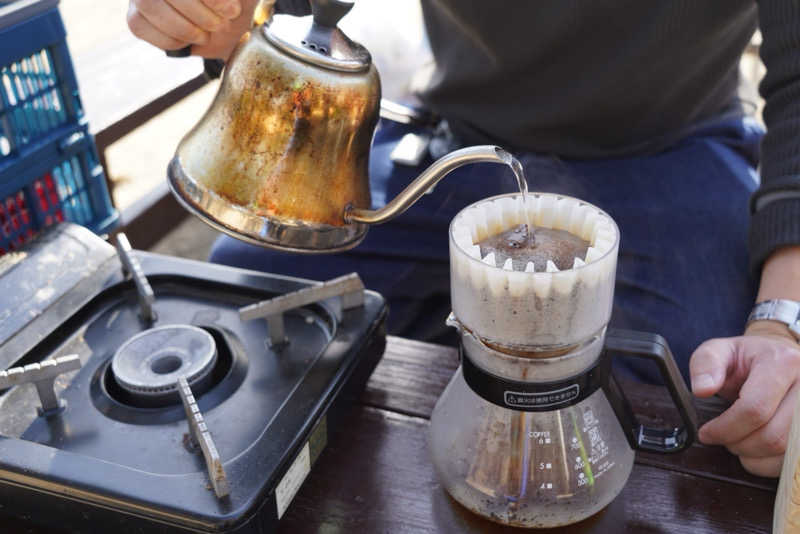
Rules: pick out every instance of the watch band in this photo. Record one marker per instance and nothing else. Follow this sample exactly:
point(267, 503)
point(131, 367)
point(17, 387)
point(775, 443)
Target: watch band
point(781, 310)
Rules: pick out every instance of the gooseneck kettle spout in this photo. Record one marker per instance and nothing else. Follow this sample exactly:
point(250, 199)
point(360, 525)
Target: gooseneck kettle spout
point(425, 181)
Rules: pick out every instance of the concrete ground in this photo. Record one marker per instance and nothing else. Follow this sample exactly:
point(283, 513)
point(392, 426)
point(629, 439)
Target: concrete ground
point(191, 239)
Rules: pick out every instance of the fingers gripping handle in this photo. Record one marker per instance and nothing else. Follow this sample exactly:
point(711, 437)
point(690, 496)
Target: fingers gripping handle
point(655, 348)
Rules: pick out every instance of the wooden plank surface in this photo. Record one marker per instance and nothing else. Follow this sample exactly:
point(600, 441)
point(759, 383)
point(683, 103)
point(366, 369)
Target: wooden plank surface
point(375, 475)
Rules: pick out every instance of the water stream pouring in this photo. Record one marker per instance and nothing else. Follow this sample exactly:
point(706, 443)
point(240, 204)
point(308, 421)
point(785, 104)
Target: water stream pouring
point(280, 158)
point(533, 430)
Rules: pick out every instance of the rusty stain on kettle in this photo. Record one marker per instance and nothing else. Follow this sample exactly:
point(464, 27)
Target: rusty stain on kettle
point(287, 141)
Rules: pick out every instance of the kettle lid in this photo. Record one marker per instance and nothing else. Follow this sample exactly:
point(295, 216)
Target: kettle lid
point(317, 39)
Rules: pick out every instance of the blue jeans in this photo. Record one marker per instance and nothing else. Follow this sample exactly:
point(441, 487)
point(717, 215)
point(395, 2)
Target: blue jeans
point(682, 269)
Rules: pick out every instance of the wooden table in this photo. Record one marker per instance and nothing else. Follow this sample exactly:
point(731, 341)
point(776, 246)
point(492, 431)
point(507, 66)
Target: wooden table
point(375, 476)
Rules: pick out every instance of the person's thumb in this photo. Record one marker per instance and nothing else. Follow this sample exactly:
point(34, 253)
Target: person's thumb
point(709, 366)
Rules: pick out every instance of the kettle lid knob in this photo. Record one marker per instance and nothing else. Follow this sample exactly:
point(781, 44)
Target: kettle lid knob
point(328, 13)
point(317, 39)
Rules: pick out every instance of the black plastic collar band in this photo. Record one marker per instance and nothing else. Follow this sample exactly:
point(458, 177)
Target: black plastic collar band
point(534, 397)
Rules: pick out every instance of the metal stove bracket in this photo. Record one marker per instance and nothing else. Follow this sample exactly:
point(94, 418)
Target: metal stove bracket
point(43, 375)
point(200, 434)
point(349, 287)
point(131, 266)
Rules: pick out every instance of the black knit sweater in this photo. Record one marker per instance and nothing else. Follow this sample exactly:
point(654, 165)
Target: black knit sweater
point(775, 207)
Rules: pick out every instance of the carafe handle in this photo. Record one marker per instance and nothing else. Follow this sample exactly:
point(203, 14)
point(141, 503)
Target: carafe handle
point(655, 348)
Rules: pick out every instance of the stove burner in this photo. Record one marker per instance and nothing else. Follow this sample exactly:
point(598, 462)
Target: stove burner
point(122, 445)
point(149, 364)
point(133, 406)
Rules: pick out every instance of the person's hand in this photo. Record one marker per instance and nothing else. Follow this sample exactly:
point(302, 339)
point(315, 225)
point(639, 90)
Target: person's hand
point(759, 372)
point(213, 27)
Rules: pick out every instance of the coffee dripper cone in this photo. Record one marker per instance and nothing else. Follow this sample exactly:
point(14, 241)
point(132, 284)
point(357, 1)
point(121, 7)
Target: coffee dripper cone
point(281, 157)
point(533, 430)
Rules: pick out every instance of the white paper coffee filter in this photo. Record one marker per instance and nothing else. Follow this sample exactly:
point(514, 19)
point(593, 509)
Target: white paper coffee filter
point(525, 308)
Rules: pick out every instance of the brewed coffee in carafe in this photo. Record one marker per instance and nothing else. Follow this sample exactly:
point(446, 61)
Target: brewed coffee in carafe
point(533, 430)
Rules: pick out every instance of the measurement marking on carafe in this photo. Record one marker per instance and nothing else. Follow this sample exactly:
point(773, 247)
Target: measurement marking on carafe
point(605, 467)
point(585, 476)
point(543, 437)
point(589, 420)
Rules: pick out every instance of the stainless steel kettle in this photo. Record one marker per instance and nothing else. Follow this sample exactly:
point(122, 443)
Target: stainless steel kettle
point(281, 157)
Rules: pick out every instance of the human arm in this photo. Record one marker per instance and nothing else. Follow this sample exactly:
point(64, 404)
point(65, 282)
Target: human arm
point(760, 371)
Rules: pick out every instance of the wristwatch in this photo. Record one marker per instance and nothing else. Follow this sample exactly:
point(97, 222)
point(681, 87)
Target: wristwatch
point(781, 310)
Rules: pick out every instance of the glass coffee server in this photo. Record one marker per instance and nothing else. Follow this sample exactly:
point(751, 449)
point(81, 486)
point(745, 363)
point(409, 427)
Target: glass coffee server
point(533, 430)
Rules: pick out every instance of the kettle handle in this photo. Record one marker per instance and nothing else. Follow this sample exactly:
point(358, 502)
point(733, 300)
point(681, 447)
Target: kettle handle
point(328, 13)
point(654, 348)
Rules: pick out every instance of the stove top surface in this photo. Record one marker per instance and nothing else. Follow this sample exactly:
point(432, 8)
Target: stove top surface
point(122, 444)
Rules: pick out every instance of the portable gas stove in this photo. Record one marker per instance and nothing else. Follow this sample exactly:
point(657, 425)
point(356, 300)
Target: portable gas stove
point(170, 395)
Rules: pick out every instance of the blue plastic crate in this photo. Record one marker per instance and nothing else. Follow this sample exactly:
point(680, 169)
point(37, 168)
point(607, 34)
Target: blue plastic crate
point(62, 181)
point(49, 169)
point(38, 89)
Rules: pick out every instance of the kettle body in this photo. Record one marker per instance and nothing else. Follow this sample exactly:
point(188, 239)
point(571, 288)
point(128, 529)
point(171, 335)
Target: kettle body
point(283, 150)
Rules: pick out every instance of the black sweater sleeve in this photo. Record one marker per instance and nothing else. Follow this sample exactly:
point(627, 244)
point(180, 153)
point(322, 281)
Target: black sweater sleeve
point(775, 206)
